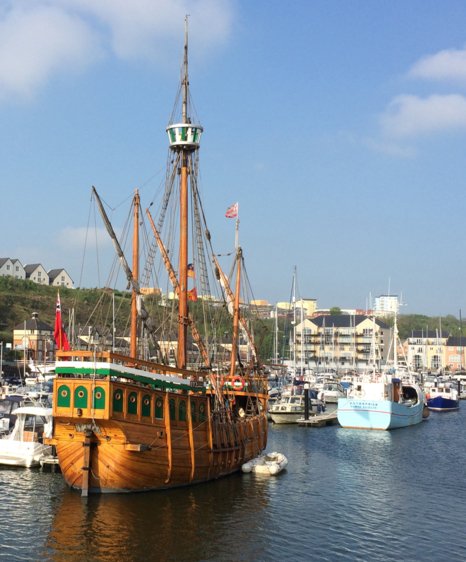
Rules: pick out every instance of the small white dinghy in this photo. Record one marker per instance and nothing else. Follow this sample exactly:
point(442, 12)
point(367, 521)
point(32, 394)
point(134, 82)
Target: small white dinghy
point(271, 463)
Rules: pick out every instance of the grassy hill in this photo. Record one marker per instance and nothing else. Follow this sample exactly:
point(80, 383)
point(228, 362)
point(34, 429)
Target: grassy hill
point(19, 299)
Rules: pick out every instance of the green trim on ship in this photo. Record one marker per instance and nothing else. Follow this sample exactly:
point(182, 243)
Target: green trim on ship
point(109, 372)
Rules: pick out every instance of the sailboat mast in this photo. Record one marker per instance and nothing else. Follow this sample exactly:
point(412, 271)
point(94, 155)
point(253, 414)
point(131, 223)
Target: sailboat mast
point(184, 138)
point(461, 342)
point(134, 310)
point(183, 264)
point(183, 252)
point(185, 83)
point(234, 342)
point(294, 320)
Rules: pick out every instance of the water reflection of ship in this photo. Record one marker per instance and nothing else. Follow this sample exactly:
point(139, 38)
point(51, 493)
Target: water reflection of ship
point(201, 522)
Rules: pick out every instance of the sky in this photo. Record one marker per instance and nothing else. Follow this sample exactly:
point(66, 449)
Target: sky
point(339, 126)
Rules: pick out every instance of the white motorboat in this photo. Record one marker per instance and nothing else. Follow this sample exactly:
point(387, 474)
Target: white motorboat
point(291, 407)
point(332, 391)
point(288, 409)
point(24, 446)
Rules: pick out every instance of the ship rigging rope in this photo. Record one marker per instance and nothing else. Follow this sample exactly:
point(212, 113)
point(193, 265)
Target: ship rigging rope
point(190, 103)
point(85, 242)
point(169, 182)
point(142, 312)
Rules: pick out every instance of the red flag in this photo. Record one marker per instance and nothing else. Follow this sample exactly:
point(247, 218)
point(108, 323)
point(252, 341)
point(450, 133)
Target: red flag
point(232, 211)
point(59, 333)
point(192, 295)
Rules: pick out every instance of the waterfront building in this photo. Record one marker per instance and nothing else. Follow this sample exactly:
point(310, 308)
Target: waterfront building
point(308, 306)
point(35, 339)
point(426, 350)
point(262, 308)
point(341, 341)
point(455, 358)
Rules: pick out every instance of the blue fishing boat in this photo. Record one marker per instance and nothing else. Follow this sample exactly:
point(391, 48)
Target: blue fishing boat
point(443, 398)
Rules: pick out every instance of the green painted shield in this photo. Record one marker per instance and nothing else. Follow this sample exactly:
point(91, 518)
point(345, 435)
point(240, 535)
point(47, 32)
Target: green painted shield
point(80, 397)
point(63, 396)
point(159, 408)
point(133, 403)
point(118, 401)
point(99, 398)
point(146, 403)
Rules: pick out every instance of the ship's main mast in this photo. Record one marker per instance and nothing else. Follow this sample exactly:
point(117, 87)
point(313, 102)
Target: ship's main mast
point(184, 138)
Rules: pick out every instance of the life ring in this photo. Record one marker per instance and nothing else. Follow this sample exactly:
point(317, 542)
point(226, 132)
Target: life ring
point(238, 383)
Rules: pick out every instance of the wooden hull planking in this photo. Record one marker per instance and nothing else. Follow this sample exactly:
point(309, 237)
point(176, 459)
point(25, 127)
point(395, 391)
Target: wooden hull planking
point(153, 439)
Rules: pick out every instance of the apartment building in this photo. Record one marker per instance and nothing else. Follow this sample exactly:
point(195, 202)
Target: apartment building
point(343, 341)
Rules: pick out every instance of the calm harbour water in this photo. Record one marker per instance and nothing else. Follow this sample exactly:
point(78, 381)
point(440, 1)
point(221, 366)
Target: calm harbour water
point(346, 495)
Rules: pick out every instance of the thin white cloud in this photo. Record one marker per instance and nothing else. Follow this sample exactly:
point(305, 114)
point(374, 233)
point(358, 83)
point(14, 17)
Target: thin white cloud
point(36, 43)
point(40, 38)
point(411, 116)
point(143, 28)
point(77, 238)
point(449, 64)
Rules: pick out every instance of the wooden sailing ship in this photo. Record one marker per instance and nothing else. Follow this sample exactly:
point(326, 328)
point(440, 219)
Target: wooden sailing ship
point(124, 424)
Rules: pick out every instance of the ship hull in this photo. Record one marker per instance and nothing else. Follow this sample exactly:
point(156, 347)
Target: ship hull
point(119, 464)
point(377, 414)
point(443, 404)
point(144, 439)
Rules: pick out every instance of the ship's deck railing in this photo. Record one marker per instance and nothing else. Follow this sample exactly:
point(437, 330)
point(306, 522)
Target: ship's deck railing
point(150, 366)
point(111, 357)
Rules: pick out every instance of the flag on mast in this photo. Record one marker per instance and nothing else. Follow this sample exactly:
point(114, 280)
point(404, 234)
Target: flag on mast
point(232, 211)
point(59, 333)
point(192, 294)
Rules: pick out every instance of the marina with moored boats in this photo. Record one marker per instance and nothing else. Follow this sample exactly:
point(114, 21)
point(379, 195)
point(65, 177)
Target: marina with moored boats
point(154, 428)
